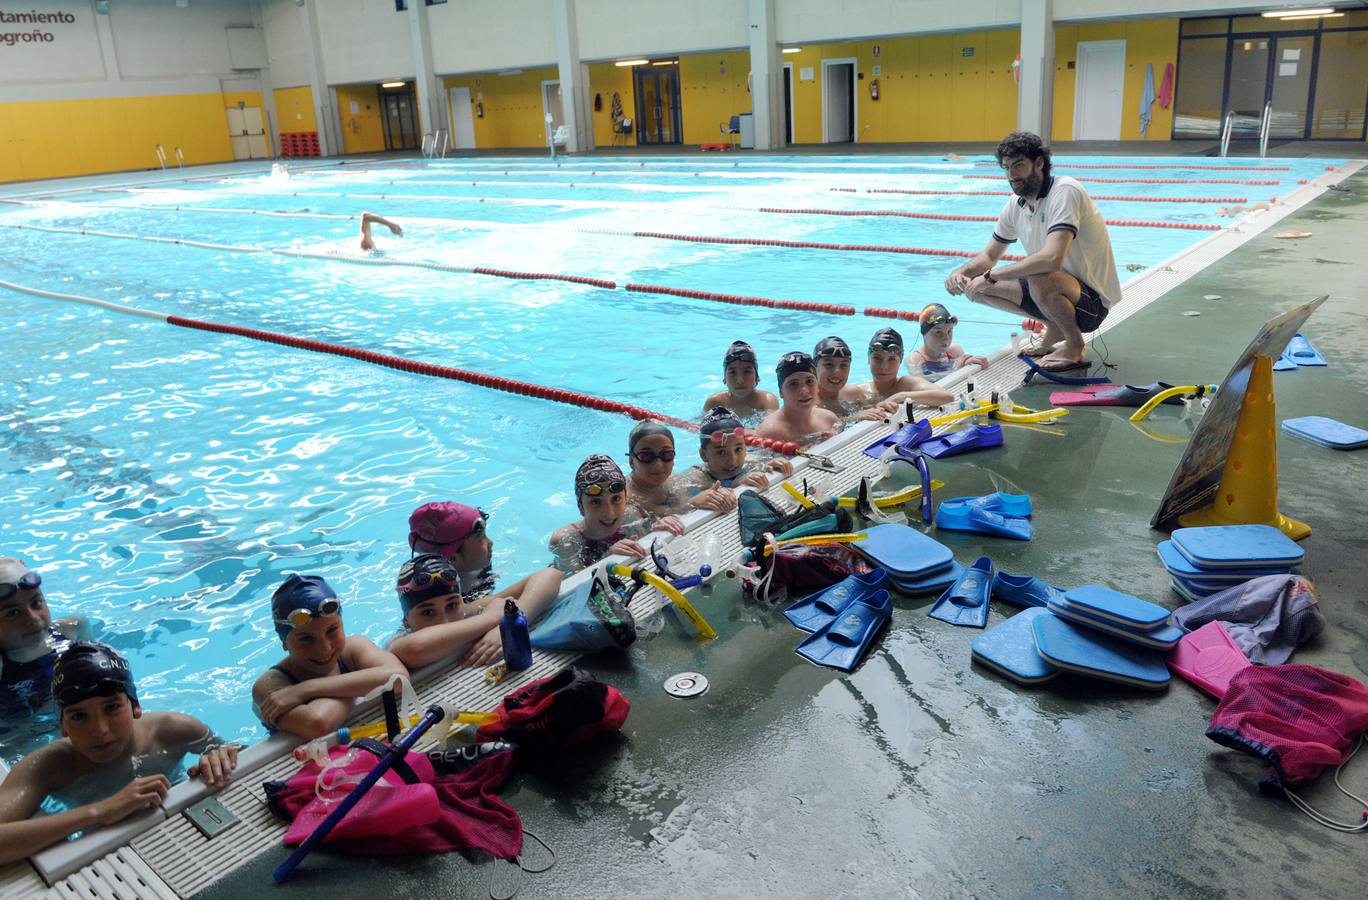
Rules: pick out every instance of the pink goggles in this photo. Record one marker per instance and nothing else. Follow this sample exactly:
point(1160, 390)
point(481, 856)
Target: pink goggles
point(720, 437)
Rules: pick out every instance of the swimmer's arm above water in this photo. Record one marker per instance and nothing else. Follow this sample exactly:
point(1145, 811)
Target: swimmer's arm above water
point(368, 219)
point(217, 759)
point(428, 645)
point(37, 775)
point(318, 706)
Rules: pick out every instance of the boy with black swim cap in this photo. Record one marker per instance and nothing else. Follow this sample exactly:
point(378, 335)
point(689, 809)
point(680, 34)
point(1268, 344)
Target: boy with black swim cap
point(887, 388)
point(113, 760)
point(726, 461)
point(742, 396)
point(800, 419)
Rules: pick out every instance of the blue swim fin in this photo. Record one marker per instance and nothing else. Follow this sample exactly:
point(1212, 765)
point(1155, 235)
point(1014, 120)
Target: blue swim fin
point(1303, 353)
point(1284, 363)
point(1024, 590)
point(966, 601)
point(815, 611)
point(981, 521)
point(975, 437)
point(842, 643)
point(1003, 504)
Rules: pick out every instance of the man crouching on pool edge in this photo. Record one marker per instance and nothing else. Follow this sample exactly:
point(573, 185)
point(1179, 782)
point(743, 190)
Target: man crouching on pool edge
point(112, 760)
point(800, 419)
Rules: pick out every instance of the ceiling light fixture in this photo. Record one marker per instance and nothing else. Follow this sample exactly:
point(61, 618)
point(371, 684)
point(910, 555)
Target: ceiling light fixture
point(1298, 13)
point(792, 50)
point(1311, 16)
point(393, 84)
point(666, 62)
point(624, 63)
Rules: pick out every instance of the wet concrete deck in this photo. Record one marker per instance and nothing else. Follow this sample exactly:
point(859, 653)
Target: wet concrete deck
point(924, 775)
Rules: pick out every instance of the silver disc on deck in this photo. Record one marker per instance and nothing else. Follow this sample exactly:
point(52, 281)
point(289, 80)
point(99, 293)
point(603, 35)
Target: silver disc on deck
point(686, 684)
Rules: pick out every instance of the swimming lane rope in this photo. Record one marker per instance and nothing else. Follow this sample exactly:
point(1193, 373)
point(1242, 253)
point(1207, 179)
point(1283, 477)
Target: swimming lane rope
point(1152, 180)
point(946, 217)
point(399, 363)
point(1119, 198)
point(1072, 165)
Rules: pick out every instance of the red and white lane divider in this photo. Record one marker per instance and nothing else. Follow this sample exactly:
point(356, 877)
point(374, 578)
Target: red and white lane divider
point(1119, 198)
point(1151, 180)
point(946, 217)
point(399, 363)
point(1068, 165)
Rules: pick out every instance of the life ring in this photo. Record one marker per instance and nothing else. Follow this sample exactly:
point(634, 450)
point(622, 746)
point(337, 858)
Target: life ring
point(1016, 69)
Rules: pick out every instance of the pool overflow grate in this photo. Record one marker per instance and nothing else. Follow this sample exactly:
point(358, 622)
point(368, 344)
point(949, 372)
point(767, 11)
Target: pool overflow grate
point(174, 858)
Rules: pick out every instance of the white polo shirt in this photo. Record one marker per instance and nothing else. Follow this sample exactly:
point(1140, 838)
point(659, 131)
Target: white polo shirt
point(1063, 205)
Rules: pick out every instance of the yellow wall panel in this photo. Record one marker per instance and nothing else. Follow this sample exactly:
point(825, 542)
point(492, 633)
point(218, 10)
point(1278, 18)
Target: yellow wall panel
point(605, 79)
point(91, 144)
point(513, 108)
point(26, 120)
point(712, 90)
point(295, 110)
point(362, 131)
point(1000, 87)
point(968, 86)
point(54, 129)
point(10, 170)
point(113, 118)
point(1152, 41)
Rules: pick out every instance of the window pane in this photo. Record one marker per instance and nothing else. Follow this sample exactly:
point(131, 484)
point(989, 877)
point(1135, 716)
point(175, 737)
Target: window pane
point(1201, 75)
point(1258, 24)
point(1341, 85)
point(1205, 26)
point(1248, 83)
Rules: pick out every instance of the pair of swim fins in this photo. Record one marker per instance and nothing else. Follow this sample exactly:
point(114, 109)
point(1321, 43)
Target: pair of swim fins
point(999, 514)
point(1299, 352)
point(975, 437)
point(966, 601)
point(844, 620)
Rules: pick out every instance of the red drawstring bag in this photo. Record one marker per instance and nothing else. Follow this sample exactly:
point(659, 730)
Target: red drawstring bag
point(1301, 720)
point(568, 708)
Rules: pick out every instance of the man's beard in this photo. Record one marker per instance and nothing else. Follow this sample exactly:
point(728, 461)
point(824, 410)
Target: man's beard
point(1030, 187)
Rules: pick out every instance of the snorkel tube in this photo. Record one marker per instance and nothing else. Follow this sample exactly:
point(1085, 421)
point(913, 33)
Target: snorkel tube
point(681, 603)
point(1196, 390)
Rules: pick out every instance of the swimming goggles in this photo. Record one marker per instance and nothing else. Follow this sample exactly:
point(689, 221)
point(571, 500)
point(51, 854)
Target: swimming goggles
point(612, 487)
point(646, 457)
point(298, 618)
point(27, 582)
point(720, 437)
point(888, 344)
point(829, 349)
point(417, 581)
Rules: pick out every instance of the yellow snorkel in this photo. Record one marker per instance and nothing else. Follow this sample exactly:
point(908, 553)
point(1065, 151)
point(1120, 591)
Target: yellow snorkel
point(681, 603)
point(1196, 390)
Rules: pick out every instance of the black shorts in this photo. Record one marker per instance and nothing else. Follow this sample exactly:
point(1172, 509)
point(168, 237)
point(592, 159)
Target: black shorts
point(1089, 311)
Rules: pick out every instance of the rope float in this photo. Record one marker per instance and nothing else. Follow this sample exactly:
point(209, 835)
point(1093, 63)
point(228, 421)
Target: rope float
point(946, 217)
point(834, 309)
point(808, 245)
point(399, 363)
point(1064, 165)
point(1116, 197)
point(1152, 180)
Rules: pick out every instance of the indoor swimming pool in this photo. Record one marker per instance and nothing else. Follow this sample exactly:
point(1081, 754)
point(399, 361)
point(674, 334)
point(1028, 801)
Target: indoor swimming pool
point(164, 481)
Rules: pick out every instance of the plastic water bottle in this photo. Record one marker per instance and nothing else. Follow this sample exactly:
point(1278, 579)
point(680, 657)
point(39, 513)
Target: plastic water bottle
point(315, 750)
point(711, 562)
point(517, 643)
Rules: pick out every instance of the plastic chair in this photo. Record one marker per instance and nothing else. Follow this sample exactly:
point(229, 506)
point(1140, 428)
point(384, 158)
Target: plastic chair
point(560, 135)
point(732, 128)
point(622, 128)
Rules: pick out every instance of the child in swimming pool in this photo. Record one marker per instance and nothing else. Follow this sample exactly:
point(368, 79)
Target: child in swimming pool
point(939, 354)
point(603, 529)
point(113, 759)
point(311, 691)
point(459, 534)
point(653, 490)
point(832, 359)
point(742, 395)
point(886, 387)
point(30, 640)
point(437, 622)
point(726, 461)
point(800, 419)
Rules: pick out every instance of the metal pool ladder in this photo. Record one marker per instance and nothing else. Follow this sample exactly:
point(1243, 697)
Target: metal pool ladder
point(1225, 132)
point(1265, 126)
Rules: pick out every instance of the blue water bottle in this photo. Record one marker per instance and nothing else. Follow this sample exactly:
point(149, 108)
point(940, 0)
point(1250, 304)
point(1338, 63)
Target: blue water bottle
point(517, 644)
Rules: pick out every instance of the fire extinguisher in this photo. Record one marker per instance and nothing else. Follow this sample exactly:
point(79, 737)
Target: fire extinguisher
point(874, 89)
point(479, 110)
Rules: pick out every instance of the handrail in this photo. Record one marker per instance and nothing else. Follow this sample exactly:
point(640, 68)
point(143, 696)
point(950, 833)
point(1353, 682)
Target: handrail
point(1225, 132)
point(425, 148)
point(180, 158)
point(161, 155)
point(446, 141)
point(1265, 126)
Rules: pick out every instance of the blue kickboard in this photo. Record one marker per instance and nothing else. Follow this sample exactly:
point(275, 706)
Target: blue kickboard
point(1179, 566)
point(1077, 649)
point(1164, 638)
point(1326, 432)
point(1009, 649)
point(1117, 608)
point(1237, 546)
point(1194, 592)
point(932, 582)
point(904, 551)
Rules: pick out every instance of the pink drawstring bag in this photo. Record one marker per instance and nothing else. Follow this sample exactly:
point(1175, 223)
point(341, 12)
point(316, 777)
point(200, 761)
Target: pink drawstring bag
point(1299, 719)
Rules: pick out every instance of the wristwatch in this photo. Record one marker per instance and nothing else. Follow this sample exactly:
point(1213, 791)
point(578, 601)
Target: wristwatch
point(988, 277)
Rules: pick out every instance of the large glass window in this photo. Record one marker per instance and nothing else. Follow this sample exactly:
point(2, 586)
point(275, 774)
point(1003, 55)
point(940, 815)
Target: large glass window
point(1341, 85)
point(1201, 83)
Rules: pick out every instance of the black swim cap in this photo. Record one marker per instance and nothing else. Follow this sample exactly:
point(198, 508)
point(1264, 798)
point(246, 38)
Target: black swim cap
point(91, 669)
point(719, 418)
point(644, 429)
point(935, 314)
point(739, 351)
point(886, 339)
point(831, 347)
point(789, 363)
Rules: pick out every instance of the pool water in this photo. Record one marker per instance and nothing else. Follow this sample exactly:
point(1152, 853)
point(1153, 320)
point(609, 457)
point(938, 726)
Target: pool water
point(165, 480)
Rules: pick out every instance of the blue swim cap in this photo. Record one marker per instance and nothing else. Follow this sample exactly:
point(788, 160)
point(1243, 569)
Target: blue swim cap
point(299, 599)
point(91, 669)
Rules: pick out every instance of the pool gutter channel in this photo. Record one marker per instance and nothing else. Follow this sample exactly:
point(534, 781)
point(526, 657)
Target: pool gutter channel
point(161, 854)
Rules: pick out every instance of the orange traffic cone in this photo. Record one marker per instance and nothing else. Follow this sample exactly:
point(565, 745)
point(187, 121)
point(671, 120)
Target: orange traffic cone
point(1248, 493)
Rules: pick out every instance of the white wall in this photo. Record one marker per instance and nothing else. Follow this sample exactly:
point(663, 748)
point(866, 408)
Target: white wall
point(825, 20)
point(1129, 9)
point(365, 40)
point(487, 35)
point(613, 29)
point(140, 48)
point(286, 50)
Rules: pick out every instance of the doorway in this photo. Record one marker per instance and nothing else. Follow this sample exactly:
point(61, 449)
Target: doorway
point(1098, 93)
point(840, 114)
point(462, 122)
point(657, 104)
point(551, 104)
point(399, 117)
point(247, 133)
point(1272, 71)
point(788, 102)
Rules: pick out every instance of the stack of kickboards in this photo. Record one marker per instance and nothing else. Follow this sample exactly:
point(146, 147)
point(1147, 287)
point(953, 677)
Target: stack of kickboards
point(1090, 630)
point(1204, 561)
point(1325, 432)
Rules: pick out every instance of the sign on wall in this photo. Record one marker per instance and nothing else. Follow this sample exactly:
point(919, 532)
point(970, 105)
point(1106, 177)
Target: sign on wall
point(49, 44)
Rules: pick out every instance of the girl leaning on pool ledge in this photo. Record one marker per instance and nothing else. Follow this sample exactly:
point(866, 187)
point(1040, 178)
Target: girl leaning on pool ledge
point(311, 691)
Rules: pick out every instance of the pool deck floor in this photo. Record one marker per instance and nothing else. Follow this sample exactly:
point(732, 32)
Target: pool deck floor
point(922, 774)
